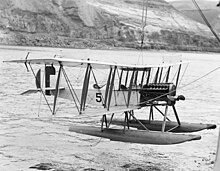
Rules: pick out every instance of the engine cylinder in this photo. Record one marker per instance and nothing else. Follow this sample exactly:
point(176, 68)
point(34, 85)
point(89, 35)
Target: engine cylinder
point(155, 92)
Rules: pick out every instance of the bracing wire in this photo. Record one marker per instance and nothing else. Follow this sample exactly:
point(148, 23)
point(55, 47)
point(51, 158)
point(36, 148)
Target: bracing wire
point(203, 76)
point(79, 75)
point(41, 89)
point(71, 89)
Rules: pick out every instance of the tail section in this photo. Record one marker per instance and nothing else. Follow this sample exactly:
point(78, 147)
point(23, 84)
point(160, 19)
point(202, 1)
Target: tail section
point(47, 88)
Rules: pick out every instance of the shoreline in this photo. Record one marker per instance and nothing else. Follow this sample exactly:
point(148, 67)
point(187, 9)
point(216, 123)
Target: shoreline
point(20, 47)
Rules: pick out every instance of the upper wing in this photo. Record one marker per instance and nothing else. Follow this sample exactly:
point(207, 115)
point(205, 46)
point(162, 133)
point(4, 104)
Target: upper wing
point(84, 63)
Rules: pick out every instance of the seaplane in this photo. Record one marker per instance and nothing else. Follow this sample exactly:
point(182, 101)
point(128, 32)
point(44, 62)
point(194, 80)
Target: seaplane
point(120, 89)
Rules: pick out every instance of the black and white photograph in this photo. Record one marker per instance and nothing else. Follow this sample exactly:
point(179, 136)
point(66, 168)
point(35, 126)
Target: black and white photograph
point(110, 85)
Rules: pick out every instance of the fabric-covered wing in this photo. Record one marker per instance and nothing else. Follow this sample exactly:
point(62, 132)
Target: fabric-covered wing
point(83, 63)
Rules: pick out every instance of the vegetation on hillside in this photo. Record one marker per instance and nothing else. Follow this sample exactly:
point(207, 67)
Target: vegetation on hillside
point(102, 25)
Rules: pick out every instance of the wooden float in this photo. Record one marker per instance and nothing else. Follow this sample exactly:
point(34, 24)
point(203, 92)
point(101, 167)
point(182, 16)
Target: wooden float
point(156, 125)
point(135, 136)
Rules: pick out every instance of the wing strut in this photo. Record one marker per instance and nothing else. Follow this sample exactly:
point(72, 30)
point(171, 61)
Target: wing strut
point(85, 88)
point(178, 75)
point(161, 73)
point(57, 89)
point(130, 87)
point(168, 74)
point(107, 87)
point(121, 86)
point(111, 87)
point(156, 75)
point(120, 78)
point(142, 78)
point(126, 79)
point(148, 76)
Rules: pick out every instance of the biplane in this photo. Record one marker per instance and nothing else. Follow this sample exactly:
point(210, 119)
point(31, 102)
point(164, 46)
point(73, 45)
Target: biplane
point(120, 89)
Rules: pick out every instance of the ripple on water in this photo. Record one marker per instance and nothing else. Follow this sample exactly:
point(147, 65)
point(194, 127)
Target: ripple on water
point(28, 141)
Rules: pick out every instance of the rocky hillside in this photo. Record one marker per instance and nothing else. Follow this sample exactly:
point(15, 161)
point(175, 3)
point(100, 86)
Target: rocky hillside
point(209, 8)
point(99, 24)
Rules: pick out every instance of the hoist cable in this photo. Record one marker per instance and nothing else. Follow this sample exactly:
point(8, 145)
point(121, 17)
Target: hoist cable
point(205, 20)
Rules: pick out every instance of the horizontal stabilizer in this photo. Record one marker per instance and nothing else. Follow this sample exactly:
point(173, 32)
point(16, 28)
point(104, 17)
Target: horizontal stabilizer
point(38, 90)
point(30, 92)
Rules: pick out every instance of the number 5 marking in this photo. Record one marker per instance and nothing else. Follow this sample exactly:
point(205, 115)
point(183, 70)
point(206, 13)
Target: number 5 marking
point(98, 97)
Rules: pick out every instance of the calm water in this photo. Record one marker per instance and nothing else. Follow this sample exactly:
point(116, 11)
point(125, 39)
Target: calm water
point(27, 140)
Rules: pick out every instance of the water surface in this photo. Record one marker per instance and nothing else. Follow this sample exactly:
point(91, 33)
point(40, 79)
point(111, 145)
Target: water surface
point(27, 140)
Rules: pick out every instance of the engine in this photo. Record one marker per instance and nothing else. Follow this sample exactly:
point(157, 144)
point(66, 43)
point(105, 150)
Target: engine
point(155, 92)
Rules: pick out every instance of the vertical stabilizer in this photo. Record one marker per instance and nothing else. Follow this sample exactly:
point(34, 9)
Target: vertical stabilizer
point(49, 70)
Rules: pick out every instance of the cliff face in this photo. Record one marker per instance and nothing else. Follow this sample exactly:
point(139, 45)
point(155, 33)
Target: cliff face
point(97, 23)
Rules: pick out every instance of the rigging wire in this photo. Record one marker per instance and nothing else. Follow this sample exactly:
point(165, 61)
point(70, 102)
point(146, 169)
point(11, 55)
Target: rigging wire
point(41, 88)
point(143, 25)
point(144, 21)
point(206, 21)
point(79, 77)
point(203, 76)
point(71, 89)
